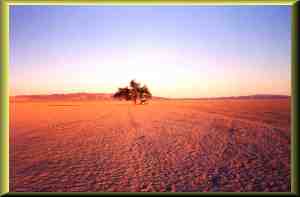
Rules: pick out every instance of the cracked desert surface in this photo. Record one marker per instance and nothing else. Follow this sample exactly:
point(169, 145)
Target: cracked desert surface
point(166, 145)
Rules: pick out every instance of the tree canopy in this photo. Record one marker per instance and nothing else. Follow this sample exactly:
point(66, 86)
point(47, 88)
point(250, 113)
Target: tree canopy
point(134, 92)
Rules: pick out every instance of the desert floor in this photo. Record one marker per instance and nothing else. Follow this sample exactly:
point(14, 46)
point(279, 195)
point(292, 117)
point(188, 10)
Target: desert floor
point(168, 145)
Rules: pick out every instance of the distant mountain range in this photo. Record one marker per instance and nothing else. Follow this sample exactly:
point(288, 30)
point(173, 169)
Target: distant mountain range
point(106, 96)
point(255, 96)
point(69, 96)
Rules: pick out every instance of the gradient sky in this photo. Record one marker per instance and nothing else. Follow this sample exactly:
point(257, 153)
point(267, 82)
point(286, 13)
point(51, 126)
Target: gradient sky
point(177, 51)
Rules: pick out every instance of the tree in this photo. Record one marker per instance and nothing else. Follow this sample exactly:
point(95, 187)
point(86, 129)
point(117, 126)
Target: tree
point(123, 93)
point(135, 88)
point(134, 93)
point(144, 94)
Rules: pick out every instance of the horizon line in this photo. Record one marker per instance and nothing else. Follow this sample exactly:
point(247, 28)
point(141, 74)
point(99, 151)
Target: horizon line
point(211, 97)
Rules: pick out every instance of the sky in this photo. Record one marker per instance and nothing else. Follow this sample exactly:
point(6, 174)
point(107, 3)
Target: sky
point(177, 51)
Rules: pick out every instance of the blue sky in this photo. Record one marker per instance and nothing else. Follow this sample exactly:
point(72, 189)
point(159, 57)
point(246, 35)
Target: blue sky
point(177, 51)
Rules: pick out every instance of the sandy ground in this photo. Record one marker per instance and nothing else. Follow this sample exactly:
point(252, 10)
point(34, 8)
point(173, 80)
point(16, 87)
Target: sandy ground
point(222, 145)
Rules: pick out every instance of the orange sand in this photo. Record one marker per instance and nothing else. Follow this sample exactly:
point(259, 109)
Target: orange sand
point(204, 145)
